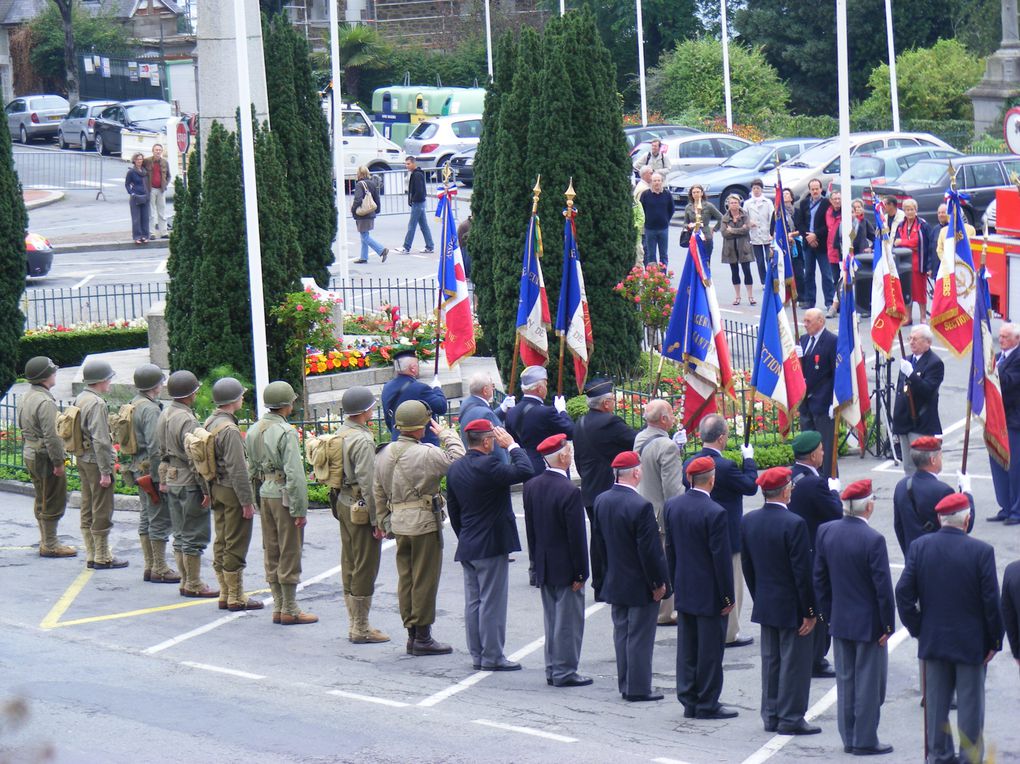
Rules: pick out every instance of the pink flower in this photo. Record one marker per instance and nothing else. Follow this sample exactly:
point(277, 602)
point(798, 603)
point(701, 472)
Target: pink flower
point(637, 299)
point(619, 286)
point(299, 307)
point(324, 309)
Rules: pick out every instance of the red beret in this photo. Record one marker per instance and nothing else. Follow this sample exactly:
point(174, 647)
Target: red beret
point(774, 478)
point(859, 489)
point(478, 425)
point(700, 465)
point(952, 503)
point(626, 460)
point(926, 443)
point(552, 444)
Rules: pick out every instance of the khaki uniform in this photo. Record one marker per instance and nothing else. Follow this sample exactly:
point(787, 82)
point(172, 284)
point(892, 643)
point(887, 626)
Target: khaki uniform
point(43, 450)
point(230, 491)
point(190, 520)
point(96, 501)
point(354, 506)
point(408, 504)
point(154, 519)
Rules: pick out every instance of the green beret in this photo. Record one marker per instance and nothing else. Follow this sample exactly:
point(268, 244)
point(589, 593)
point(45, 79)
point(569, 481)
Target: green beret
point(806, 442)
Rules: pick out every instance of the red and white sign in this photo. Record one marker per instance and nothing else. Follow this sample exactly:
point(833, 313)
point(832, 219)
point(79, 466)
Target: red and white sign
point(183, 137)
point(1011, 129)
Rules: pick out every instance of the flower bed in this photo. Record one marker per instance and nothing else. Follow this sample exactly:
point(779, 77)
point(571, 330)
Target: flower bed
point(334, 361)
point(69, 345)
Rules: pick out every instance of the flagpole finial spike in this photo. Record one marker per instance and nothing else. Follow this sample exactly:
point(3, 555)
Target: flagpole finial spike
point(952, 175)
point(447, 173)
point(535, 193)
point(570, 193)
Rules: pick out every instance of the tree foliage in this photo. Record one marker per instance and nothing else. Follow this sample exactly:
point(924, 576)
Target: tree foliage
point(690, 79)
point(13, 221)
point(465, 66)
point(182, 264)
point(99, 32)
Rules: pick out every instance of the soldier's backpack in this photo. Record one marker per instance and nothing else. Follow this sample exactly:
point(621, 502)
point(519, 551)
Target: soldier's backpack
point(326, 455)
point(122, 428)
point(200, 446)
point(68, 426)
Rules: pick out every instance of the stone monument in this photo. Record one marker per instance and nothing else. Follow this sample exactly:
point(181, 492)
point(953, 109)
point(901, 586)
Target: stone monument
point(1002, 76)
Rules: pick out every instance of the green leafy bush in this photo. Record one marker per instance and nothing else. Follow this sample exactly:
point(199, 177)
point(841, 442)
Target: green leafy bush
point(70, 348)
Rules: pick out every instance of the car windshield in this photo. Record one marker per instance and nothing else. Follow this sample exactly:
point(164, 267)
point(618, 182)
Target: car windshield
point(145, 111)
point(924, 173)
point(815, 155)
point(50, 102)
point(749, 158)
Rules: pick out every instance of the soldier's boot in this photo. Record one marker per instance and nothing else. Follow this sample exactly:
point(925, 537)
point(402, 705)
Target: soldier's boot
point(363, 633)
point(277, 600)
point(349, 602)
point(90, 547)
point(179, 557)
point(161, 572)
point(147, 556)
point(49, 545)
point(104, 557)
point(237, 599)
point(424, 644)
point(291, 614)
point(410, 640)
point(193, 584)
point(224, 588)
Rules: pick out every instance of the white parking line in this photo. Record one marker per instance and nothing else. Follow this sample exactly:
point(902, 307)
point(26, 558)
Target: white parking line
point(222, 670)
point(662, 760)
point(161, 268)
point(369, 699)
point(84, 281)
point(525, 731)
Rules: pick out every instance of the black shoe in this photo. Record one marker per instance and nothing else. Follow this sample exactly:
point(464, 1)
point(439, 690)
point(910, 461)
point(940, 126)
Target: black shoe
point(847, 749)
point(1011, 521)
point(90, 564)
point(741, 642)
point(771, 726)
point(722, 712)
point(549, 681)
point(877, 750)
point(800, 728)
point(576, 680)
point(689, 712)
point(668, 622)
point(999, 517)
point(359, 262)
point(428, 250)
point(384, 255)
point(823, 673)
point(504, 666)
point(641, 698)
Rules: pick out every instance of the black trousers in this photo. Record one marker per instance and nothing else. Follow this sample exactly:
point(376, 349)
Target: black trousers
point(700, 644)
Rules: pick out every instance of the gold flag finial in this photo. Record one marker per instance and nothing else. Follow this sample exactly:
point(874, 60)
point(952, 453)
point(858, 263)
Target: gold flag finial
point(570, 193)
point(535, 193)
point(447, 173)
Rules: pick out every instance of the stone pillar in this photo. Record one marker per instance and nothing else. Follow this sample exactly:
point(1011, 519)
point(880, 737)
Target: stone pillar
point(1002, 76)
point(217, 65)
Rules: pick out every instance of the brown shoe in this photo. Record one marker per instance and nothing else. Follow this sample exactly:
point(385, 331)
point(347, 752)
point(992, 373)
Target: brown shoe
point(249, 604)
point(147, 575)
point(287, 619)
point(113, 563)
point(277, 616)
point(170, 577)
point(424, 644)
point(205, 591)
point(58, 551)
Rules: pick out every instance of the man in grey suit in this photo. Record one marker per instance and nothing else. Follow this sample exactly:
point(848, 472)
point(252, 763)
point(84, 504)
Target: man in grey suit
point(855, 597)
point(661, 472)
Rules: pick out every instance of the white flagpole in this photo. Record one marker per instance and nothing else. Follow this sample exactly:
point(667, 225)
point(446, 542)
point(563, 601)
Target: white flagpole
point(843, 82)
point(340, 243)
point(563, 7)
point(641, 64)
point(893, 90)
point(251, 207)
point(488, 39)
point(726, 65)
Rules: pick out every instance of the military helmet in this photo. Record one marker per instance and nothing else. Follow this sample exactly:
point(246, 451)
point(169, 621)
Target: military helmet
point(148, 376)
point(182, 384)
point(96, 370)
point(357, 400)
point(227, 390)
point(278, 394)
point(39, 368)
point(412, 415)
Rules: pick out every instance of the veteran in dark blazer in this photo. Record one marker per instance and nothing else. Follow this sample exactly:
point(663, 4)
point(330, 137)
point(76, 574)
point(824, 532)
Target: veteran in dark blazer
point(406, 386)
point(530, 421)
point(855, 598)
point(478, 500)
point(478, 405)
point(777, 568)
point(817, 352)
point(1011, 607)
point(732, 483)
point(558, 550)
point(1007, 482)
point(701, 566)
point(948, 598)
point(921, 373)
point(634, 578)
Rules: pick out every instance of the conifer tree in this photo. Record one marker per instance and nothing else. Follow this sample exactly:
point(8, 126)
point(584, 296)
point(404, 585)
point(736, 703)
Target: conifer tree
point(13, 221)
point(185, 255)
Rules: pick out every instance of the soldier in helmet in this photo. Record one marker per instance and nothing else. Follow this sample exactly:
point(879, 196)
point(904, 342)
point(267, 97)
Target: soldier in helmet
point(274, 460)
point(186, 491)
point(44, 454)
point(409, 506)
point(354, 507)
point(233, 500)
point(95, 466)
point(154, 517)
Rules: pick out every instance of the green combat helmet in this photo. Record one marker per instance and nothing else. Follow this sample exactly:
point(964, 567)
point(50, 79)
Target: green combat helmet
point(412, 415)
point(182, 384)
point(357, 400)
point(226, 391)
point(278, 394)
point(148, 376)
point(39, 368)
point(96, 371)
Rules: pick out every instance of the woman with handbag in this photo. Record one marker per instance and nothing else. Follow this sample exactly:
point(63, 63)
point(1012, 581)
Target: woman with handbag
point(364, 208)
point(137, 185)
point(736, 248)
point(699, 208)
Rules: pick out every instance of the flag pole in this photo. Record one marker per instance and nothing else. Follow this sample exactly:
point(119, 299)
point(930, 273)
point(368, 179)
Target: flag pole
point(536, 192)
point(793, 302)
point(966, 430)
point(444, 241)
point(889, 262)
point(569, 214)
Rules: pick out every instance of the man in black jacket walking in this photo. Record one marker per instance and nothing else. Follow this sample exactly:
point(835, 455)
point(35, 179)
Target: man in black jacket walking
point(416, 192)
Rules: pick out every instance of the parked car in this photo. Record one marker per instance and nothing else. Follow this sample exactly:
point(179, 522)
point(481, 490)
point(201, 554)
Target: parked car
point(735, 174)
point(145, 114)
point(436, 140)
point(822, 161)
point(894, 162)
point(35, 116)
point(636, 134)
point(39, 255)
point(79, 126)
point(979, 175)
point(693, 152)
point(463, 166)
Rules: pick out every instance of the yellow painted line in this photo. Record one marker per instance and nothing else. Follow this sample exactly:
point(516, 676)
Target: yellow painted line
point(53, 617)
point(16, 548)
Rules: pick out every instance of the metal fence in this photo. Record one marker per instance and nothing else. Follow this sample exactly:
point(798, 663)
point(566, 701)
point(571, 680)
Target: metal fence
point(101, 303)
point(393, 191)
point(416, 297)
point(60, 170)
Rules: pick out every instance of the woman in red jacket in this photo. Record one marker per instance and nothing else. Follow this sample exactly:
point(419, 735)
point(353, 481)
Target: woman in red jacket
point(913, 233)
point(833, 216)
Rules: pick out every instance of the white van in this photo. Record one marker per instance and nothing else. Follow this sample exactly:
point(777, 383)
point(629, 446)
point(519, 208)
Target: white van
point(363, 143)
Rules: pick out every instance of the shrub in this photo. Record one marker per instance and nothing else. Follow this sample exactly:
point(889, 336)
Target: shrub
point(69, 348)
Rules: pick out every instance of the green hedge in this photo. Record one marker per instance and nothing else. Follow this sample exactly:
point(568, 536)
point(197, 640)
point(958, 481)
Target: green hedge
point(70, 348)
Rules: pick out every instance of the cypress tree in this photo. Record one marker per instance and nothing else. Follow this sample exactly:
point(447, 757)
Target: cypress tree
point(185, 255)
point(13, 221)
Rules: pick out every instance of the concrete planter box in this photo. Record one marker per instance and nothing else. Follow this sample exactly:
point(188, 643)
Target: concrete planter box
point(341, 380)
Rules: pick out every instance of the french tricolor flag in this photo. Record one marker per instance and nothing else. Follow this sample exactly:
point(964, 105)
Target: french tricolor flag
point(573, 322)
point(888, 311)
point(454, 299)
point(984, 392)
point(533, 306)
point(850, 385)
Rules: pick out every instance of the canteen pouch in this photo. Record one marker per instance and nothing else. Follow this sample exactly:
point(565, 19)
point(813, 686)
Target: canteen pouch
point(359, 513)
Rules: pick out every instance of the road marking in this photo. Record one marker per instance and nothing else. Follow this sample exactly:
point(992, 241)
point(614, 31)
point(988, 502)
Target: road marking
point(141, 611)
point(478, 676)
point(525, 731)
point(84, 281)
point(161, 268)
point(669, 761)
point(369, 699)
point(52, 617)
point(777, 743)
point(222, 670)
point(16, 548)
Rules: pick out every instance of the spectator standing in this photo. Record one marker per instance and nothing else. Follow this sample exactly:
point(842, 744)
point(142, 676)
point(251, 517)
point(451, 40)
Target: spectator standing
point(834, 249)
point(915, 234)
point(158, 170)
point(759, 210)
point(416, 194)
point(736, 249)
point(655, 157)
point(365, 221)
point(940, 233)
point(862, 229)
point(810, 222)
point(1011, 606)
point(796, 241)
point(658, 207)
point(700, 208)
point(137, 184)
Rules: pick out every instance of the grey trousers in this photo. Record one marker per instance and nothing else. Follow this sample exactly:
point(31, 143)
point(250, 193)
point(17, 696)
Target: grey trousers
point(733, 619)
point(941, 678)
point(785, 675)
point(861, 670)
point(905, 441)
point(485, 596)
point(563, 609)
point(699, 656)
point(634, 639)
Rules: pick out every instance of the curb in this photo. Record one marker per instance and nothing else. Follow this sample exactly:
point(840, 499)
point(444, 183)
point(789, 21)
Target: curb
point(52, 198)
point(108, 246)
point(120, 501)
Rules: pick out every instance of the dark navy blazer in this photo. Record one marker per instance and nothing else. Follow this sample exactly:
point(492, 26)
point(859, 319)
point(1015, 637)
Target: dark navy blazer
point(472, 408)
point(1009, 381)
point(406, 388)
point(852, 581)
point(554, 521)
point(820, 375)
point(1011, 605)
point(599, 437)
point(531, 421)
point(698, 553)
point(924, 382)
point(813, 501)
point(910, 518)
point(732, 484)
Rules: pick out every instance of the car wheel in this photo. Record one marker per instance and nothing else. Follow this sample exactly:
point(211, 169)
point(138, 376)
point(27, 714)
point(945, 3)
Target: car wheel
point(83, 142)
point(442, 163)
point(100, 147)
point(734, 191)
point(60, 140)
point(23, 135)
point(968, 214)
